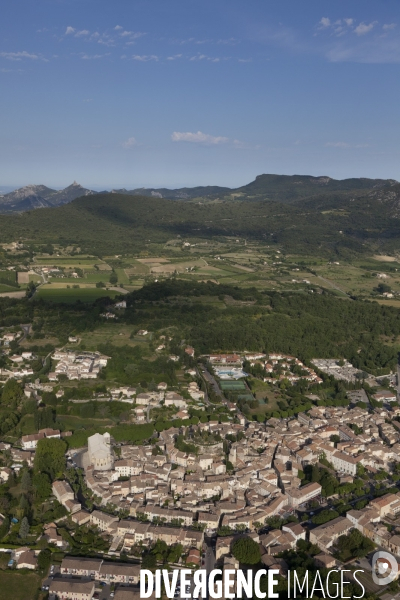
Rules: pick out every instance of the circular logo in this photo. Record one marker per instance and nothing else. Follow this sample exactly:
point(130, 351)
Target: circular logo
point(384, 568)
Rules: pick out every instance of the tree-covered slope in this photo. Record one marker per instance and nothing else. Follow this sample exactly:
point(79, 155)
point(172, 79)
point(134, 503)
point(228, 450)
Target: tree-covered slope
point(327, 224)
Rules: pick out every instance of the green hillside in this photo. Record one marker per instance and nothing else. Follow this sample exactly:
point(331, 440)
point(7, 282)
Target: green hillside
point(328, 223)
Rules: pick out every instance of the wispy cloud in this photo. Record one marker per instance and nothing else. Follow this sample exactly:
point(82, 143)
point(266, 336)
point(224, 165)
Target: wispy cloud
point(21, 56)
point(229, 42)
point(174, 57)
point(346, 40)
point(377, 50)
point(198, 138)
point(94, 56)
point(118, 28)
point(129, 143)
point(214, 59)
point(337, 28)
point(82, 33)
point(363, 28)
point(69, 31)
point(324, 23)
point(145, 57)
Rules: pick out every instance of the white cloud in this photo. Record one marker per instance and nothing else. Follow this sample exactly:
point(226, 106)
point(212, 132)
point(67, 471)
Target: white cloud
point(93, 56)
point(198, 138)
point(117, 27)
point(129, 143)
point(125, 33)
point(324, 23)
point(69, 30)
point(19, 55)
point(174, 57)
point(82, 33)
point(363, 28)
point(339, 27)
point(145, 57)
point(215, 59)
point(389, 26)
point(106, 41)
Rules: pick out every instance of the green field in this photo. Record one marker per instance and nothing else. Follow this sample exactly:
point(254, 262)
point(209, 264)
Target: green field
point(72, 295)
point(7, 288)
point(18, 586)
point(68, 262)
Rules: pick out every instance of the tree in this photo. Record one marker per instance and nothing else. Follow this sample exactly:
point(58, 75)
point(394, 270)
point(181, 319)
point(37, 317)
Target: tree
point(383, 288)
point(12, 394)
point(246, 551)
point(113, 278)
point(41, 486)
point(149, 561)
point(24, 528)
point(50, 456)
point(25, 481)
point(44, 560)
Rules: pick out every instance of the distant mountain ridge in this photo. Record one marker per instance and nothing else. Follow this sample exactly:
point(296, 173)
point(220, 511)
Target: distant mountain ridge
point(286, 189)
point(39, 196)
point(281, 188)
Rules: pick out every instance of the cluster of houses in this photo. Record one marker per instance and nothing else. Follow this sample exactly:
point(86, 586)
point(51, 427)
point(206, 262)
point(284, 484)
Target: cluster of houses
point(339, 369)
point(20, 363)
point(277, 367)
point(175, 496)
point(281, 367)
point(77, 365)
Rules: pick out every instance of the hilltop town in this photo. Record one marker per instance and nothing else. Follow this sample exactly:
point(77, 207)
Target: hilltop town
point(297, 481)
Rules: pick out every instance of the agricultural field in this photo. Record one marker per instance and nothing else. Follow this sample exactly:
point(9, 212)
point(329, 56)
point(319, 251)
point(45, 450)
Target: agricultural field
point(18, 586)
point(117, 334)
point(235, 262)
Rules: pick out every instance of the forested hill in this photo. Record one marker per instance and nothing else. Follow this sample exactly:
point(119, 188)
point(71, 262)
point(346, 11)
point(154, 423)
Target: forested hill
point(303, 325)
point(334, 223)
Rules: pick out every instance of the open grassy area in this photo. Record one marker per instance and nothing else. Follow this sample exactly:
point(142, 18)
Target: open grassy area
point(72, 422)
point(18, 586)
point(63, 294)
point(117, 334)
point(7, 288)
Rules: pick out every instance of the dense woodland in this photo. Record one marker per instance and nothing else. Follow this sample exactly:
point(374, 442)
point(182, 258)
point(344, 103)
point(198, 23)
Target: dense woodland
point(327, 221)
point(305, 325)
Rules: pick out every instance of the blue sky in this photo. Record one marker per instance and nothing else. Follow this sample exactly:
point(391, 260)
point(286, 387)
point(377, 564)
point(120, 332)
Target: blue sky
point(131, 93)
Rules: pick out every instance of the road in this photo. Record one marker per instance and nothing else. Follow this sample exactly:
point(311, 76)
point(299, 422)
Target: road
point(333, 285)
point(26, 329)
point(209, 559)
point(211, 381)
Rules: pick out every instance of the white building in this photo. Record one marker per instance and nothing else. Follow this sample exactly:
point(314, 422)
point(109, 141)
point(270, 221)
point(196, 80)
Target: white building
point(100, 452)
